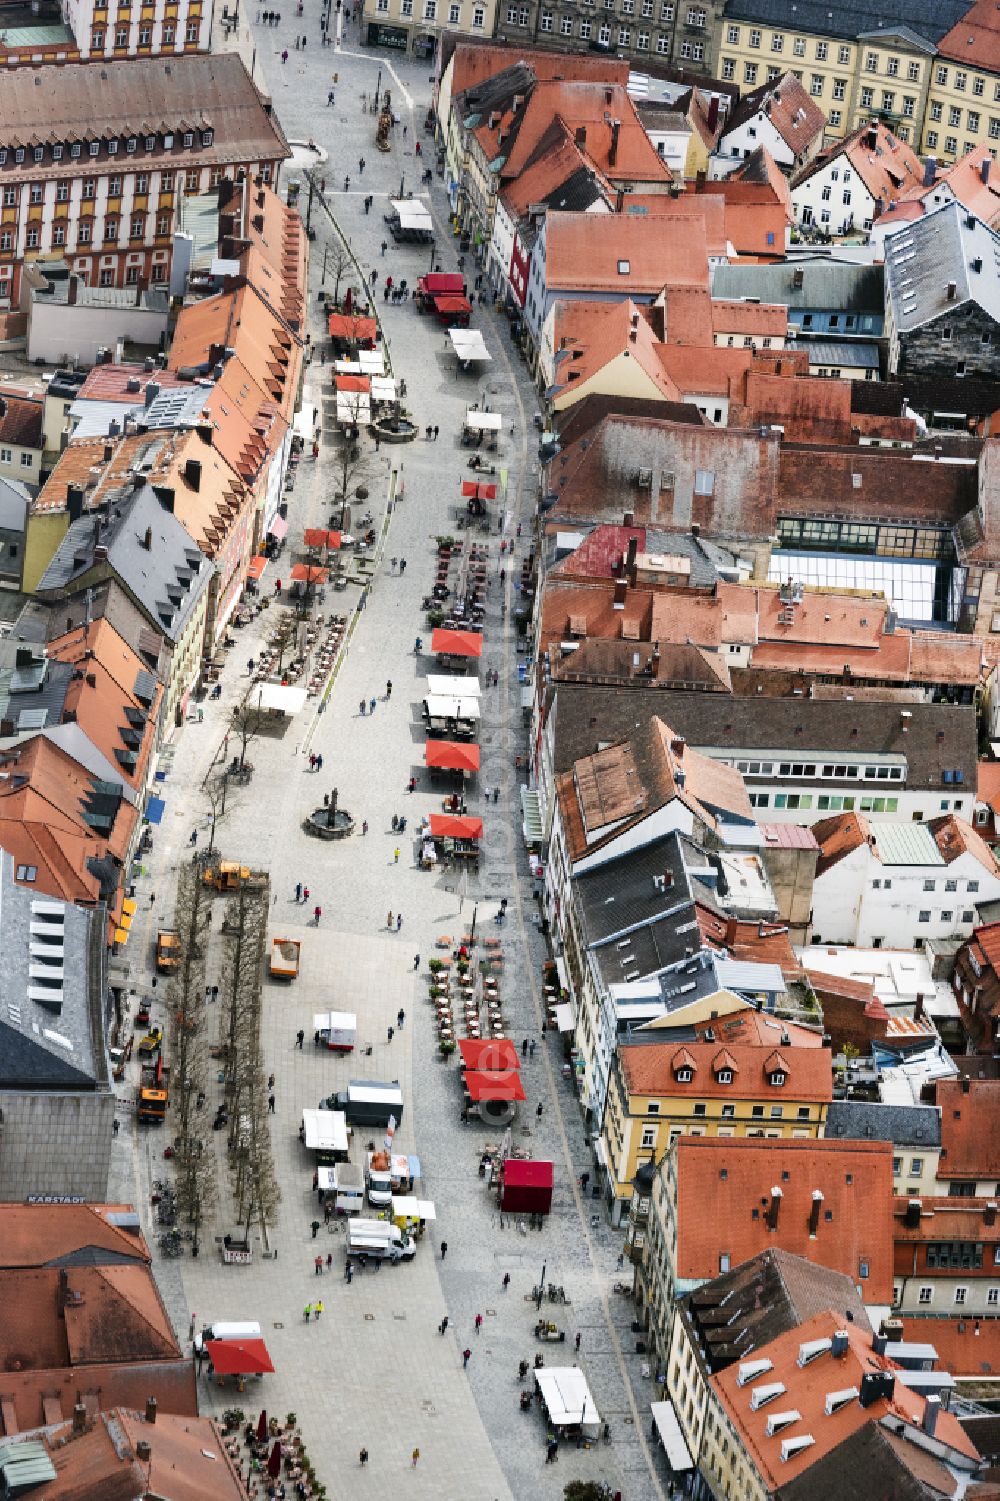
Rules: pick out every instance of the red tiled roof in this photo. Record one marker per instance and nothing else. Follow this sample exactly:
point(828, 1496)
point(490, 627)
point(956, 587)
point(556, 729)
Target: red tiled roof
point(838, 836)
point(20, 418)
point(954, 837)
point(887, 170)
point(111, 383)
point(988, 784)
point(724, 1189)
point(650, 1069)
point(975, 39)
point(626, 256)
point(787, 836)
point(599, 554)
point(794, 114)
point(594, 108)
point(966, 1346)
point(769, 319)
point(970, 1127)
point(590, 335)
point(712, 372)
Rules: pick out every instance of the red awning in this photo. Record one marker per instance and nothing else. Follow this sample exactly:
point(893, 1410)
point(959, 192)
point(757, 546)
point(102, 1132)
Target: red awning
point(346, 326)
point(456, 643)
point(451, 755)
point(455, 826)
point(232, 1357)
point(449, 302)
point(489, 1055)
point(305, 573)
point(523, 1172)
point(472, 490)
point(257, 566)
point(353, 383)
point(441, 281)
point(500, 1085)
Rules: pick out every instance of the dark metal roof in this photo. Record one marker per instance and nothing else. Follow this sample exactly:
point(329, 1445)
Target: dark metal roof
point(852, 18)
point(904, 1125)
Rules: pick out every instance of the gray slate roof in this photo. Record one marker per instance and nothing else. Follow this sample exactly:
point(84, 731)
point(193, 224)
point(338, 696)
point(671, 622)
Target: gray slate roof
point(835, 286)
point(852, 353)
point(924, 259)
point(166, 579)
point(904, 1125)
point(852, 18)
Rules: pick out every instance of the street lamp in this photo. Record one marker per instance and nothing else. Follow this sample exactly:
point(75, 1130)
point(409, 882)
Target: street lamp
point(433, 254)
point(378, 88)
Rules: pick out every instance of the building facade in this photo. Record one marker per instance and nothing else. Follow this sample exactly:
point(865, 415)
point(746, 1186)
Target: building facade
point(416, 26)
point(117, 29)
point(678, 32)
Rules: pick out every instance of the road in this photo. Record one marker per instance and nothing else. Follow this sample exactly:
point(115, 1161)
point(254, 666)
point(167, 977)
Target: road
point(375, 1372)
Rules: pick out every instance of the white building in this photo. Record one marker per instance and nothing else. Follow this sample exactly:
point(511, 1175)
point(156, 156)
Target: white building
point(157, 27)
point(843, 190)
point(780, 116)
point(896, 886)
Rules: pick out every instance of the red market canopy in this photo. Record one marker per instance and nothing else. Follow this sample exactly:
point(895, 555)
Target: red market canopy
point(522, 1172)
point(232, 1357)
point(456, 643)
point(436, 282)
point(491, 1055)
point(353, 382)
point(347, 326)
point(305, 573)
point(451, 302)
point(257, 566)
point(471, 490)
point(500, 1085)
point(455, 826)
point(451, 755)
point(315, 536)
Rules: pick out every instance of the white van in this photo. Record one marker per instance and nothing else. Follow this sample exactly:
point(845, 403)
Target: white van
point(378, 1240)
point(379, 1179)
point(226, 1331)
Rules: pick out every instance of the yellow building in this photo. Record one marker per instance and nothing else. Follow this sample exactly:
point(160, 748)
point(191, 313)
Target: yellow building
point(417, 25)
point(743, 1074)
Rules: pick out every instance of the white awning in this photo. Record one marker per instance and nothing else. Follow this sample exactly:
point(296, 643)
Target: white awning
point(354, 406)
point(335, 1021)
point(439, 707)
point(564, 1018)
point(275, 696)
point(372, 361)
point(383, 388)
point(667, 1428)
point(483, 422)
point(531, 816)
point(469, 344)
point(326, 1130)
point(568, 1399)
point(453, 687)
point(408, 1206)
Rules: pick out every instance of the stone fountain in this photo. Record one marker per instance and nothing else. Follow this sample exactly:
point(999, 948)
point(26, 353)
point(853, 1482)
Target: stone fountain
point(330, 821)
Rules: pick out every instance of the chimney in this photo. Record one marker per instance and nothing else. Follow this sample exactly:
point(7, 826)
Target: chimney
point(621, 589)
point(918, 1008)
point(620, 201)
point(151, 393)
point(984, 169)
point(192, 473)
point(616, 126)
point(798, 277)
point(100, 553)
point(817, 1205)
point(713, 113)
point(839, 1344)
point(677, 746)
point(911, 1219)
point(79, 1418)
point(581, 136)
point(143, 1452)
point(109, 452)
point(75, 495)
point(879, 1343)
point(966, 1086)
point(990, 1212)
point(150, 1409)
point(932, 1406)
point(71, 291)
point(950, 293)
point(774, 1208)
point(872, 139)
point(147, 540)
point(872, 1388)
point(630, 556)
point(930, 171)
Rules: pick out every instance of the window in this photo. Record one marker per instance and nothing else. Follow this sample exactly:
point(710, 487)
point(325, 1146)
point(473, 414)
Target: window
point(913, 72)
point(586, 27)
point(863, 1270)
point(188, 137)
point(728, 1112)
point(932, 139)
point(992, 1296)
point(892, 67)
point(961, 79)
point(936, 111)
point(871, 62)
point(6, 456)
point(867, 98)
point(111, 229)
point(916, 1166)
point(923, 917)
point(131, 144)
point(648, 1138)
point(929, 885)
point(950, 145)
point(32, 239)
point(978, 87)
point(565, 24)
point(954, 115)
point(121, 36)
point(961, 1293)
point(973, 119)
point(150, 143)
point(749, 72)
point(888, 101)
point(36, 193)
point(843, 55)
point(799, 46)
point(695, 16)
point(972, 886)
point(725, 1076)
point(479, 20)
point(733, 36)
point(700, 1109)
point(816, 84)
point(642, 42)
point(776, 1080)
point(545, 22)
point(909, 105)
point(925, 1295)
point(941, 75)
point(777, 41)
point(728, 68)
point(822, 51)
point(840, 88)
point(114, 187)
point(191, 31)
point(625, 38)
point(776, 1112)
point(684, 1076)
point(83, 234)
point(754, 37)
point(26, 458)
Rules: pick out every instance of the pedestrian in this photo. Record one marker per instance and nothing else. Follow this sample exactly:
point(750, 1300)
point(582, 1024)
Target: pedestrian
point(506, 1281)
point(479, 1322)
point(317, 914)
point(466, 1357)
point(277, 586)
point(538, 1110)
point(416, 961)
point(388, 921)
point(414, 1457)
point(315, 1228)
point(298, 891)
point(284, 56)
point(584, 1180)
point(305, 895)
point(115, 1126)
point(270, 1104)
point(152, 899)
point(400, 1018)
point(402, 565)
point(361, 164)
point(318, 1309)
point(388, 689)
point(307, 1312)
point(364, 826)
point(270, 1081)
point(362, 708)
point(347, 184)
point(389, 1034)
point(524, 1048)
point(531, 1048)
point(399, 921)
point(318, 1265)
point(329, 98)
point(436, 431)
point(385, 247)
point(443, 1326)
point(576, 1342)
point(496, 794)
point(395, 861)
point(327, 1217)
point(194, 837)
point(371, 706)
point(444, 1249)
point(363, 1457)
point(551, 1451)
point(319, 763)
point(349, 1273)
point(312, 761)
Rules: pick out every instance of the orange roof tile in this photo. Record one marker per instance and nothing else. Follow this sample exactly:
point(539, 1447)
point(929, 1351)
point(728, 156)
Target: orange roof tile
point(475, 62)
point(558, 158)
point(954, 837)
point(42, 823)
point(821, 618)
point(839, 836)
point(807, 1389)
point(687, 317)
point(188, 1459)
point(792, 112)
point(970, 1127)
point(650, 1070)
point(724, 1188)
point(975, 39)
point(886, 165)
point(103, 697)
point(811, 409)
point(965, 1346)
point(988, 784)
point(582, 610)
point(750, 942)
point(591, 335)
point(727, 617)
point(594, 108)
point(762, 318)
point(963, 180)
point(713, 372)
point(621, 255)
point(83, 463)
point(37, 1234)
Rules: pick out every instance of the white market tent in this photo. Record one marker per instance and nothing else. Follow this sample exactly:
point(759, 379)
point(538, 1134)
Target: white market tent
point(568, 1400)
point(372, 361)
point(279, 699)
point(440, 707)
point(409, 1207)
point(336, 1028)
point(354, 406)
point(469, 344)
point(326, 1130)
point(668, 1430)
point(412, 213)
point(446, 686)
point(383, 388)
point(483, 422)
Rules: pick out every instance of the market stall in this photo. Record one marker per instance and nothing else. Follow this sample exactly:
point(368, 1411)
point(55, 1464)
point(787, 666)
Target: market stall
point(450, 716)
point(411, 1213)
point(336, 1030)
point(232, 1357)
point(325, 1133)
point(437, 283)
point(352, 329)
point(469, 346)
point(451, 647)
point(354, 408)
point(489, 1054)
point(667, 1429)
point(567, 1399)
point(493, 1094)
point(452, 309)
point(449, 836)
point(525, 1186)
point(479, 425)
point(278, 699)
point(453, 687)
point(451, 755)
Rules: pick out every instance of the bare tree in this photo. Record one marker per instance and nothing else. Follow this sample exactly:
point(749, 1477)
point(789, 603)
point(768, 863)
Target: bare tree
point(245, 724)
point(338, 261)
point(186, 999)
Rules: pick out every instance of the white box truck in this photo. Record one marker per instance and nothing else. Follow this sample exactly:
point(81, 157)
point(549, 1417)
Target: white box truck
point(378, 1240)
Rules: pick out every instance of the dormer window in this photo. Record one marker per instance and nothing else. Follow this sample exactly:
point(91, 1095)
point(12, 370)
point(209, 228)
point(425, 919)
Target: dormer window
point(776, 1079)
point(725, 1076)
point(684, 1075)
point(779, 1420)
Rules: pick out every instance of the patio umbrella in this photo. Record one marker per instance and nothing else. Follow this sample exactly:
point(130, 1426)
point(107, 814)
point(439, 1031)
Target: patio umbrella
point(274, 1460)
point(262, 1426)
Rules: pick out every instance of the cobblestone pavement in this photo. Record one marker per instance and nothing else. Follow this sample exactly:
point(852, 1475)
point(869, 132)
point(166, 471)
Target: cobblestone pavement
point(375, 1371)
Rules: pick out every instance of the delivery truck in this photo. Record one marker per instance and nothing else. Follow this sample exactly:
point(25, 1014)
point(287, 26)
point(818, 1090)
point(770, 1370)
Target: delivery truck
point(378, 1240)
point(367, 1102)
